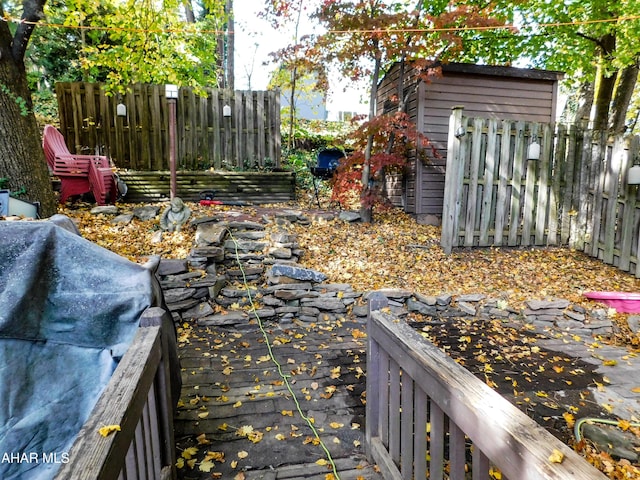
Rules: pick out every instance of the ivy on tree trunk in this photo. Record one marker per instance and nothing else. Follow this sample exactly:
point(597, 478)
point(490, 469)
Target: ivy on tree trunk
point(22, 160)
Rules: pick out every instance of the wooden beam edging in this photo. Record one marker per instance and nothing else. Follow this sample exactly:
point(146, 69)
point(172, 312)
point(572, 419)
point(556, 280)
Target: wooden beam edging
point(513, 442)
point(93, 456)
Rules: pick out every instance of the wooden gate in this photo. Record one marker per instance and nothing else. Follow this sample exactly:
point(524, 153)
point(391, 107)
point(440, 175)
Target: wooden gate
point(574, 194)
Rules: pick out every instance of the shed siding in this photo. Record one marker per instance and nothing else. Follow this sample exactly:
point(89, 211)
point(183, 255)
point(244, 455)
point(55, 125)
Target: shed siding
point(481, 96)
point(483, 91)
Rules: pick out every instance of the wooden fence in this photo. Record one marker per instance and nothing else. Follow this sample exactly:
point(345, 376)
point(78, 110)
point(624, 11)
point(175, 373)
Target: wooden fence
point(137, 399)
point(427, 415)
point(206, 138)
point(575, 194)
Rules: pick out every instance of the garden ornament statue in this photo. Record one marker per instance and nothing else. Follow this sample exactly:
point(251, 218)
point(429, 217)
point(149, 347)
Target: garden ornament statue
point(175, 215)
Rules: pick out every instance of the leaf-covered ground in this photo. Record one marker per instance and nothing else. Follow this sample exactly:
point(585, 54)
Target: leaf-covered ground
point(396, 252)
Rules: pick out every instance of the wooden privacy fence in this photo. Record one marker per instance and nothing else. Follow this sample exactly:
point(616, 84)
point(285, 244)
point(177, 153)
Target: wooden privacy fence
point(427, 415)
point(244, 135)
point(575, 194)
point(138, 400)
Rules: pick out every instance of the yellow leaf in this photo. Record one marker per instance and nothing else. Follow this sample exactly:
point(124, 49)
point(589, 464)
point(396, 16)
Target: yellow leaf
point(280, 436)
point(287, 413)
point(216, 456)
point(244, 430)
point(336, 425)
point(542, 394)
point(624, 425)
point(239, 476)
point(242, 454)
point(202, 439)
point(180, 463)
point(322, 462)
point(223, 427)
point(636, 390)
point(255, 436)
point(206, 466)
point(556, 456)
point(108, 430)
point(189, 452)
point(610, 363)
point(203, 414)
point(569, 418)
point(238, 404)
point(608, 407)
point(234, 463)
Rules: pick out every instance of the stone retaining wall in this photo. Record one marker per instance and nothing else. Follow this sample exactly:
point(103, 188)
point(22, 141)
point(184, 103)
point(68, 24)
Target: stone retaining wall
point(235, 263)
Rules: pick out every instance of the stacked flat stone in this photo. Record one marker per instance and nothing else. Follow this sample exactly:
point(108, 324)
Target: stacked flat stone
point(236, 266)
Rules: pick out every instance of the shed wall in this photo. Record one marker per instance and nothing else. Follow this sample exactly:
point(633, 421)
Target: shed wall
point(510, 93)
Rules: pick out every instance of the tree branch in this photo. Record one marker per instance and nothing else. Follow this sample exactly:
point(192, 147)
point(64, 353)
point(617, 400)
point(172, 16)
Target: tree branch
point(32, 12)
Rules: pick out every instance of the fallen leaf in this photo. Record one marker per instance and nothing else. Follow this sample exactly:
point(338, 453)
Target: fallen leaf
point(206, 466)
point(242, 454)
point(188, 453)
point(556, 456)
point(108, 430)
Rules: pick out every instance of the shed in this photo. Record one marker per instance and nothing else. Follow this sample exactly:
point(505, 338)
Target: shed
point(484, 91)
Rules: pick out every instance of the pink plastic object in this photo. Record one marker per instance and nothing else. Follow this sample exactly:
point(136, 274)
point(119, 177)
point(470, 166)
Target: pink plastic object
point(624, 302)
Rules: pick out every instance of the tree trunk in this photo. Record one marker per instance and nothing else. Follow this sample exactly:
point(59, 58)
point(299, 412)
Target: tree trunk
point(605, 83)
point(584, 98)
point(366, 208)
point(626, 83)
point(22, 159)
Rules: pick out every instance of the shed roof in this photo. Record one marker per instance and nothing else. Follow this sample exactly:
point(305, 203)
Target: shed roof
point(501, 71)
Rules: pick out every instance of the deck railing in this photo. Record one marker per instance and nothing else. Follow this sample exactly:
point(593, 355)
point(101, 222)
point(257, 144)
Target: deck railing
point(428, 417)
point(137, 399)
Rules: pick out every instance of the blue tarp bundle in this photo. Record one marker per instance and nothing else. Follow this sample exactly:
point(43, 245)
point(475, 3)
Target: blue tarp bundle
point(68, 311)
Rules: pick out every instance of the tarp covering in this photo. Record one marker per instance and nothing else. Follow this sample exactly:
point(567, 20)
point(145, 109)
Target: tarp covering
point(68, 311)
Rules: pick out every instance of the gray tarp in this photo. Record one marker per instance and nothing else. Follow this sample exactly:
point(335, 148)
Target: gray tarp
point(68, 311)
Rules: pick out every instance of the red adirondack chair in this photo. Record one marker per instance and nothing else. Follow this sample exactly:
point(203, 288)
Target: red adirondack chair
point(78, 174)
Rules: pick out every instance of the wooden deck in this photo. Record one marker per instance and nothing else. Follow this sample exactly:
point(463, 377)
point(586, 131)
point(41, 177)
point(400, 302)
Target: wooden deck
point(234, 397)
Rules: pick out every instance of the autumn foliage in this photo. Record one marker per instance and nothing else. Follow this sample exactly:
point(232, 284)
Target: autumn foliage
point(394, 136)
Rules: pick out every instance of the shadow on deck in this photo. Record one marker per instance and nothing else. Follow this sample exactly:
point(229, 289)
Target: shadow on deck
point(238, 419)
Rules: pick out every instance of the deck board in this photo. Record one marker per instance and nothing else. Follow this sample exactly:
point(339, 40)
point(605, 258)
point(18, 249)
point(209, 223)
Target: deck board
point(229, 380)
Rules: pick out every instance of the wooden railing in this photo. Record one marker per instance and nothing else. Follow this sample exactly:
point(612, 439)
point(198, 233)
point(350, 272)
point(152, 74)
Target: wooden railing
point(428, 417)
point(137, 399)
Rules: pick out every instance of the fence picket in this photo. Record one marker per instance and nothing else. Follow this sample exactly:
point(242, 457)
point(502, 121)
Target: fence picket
point(529, 208)
point(488, 181)
point(501, 199)
point(472, 194)
point(545, 216)
point(516, 185)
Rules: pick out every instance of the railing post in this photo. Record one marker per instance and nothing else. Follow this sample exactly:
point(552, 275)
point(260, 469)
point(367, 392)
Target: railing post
point(377, 301)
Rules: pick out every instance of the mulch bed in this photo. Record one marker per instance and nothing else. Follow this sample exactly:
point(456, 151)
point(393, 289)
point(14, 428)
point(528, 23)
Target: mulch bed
point(543, 384)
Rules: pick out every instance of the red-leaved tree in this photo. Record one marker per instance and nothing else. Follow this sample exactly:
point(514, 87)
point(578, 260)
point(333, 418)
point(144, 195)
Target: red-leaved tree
point(364, 38)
